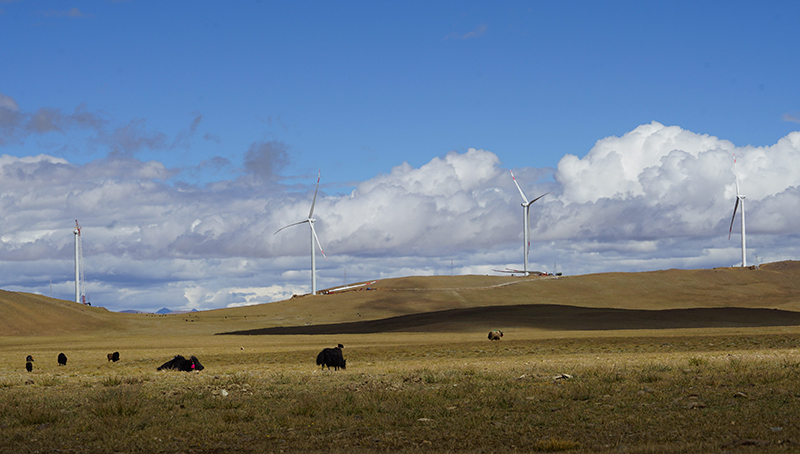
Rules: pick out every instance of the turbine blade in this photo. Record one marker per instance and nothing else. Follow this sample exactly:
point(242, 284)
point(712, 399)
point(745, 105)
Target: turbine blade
point(314, 231)
point(524, 199)
point(287, 226)
point(736, 174)
point(537, 198)
point(733, 217)
point(313, 202)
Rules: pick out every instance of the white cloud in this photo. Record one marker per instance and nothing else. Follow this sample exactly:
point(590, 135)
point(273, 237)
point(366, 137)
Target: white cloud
point(657, 197)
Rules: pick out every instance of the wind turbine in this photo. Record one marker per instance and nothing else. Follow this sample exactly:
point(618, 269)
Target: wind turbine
point(526, 214)
point(739, 198)
point(80, 279)
point(314, 236)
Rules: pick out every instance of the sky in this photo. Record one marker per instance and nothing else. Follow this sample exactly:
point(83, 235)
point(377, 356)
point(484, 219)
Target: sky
point(183, 135)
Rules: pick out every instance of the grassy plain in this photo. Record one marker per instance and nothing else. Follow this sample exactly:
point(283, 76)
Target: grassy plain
point(704, 389)
point(726, 390)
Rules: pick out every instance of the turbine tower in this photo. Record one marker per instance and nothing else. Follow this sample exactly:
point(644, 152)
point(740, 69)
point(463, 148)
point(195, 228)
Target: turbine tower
point(80, 292)
point(739, 198)
point(526, 214)
point(314, 236)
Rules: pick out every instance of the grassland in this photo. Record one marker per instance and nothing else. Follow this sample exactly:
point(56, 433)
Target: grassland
point(680, 392)
point(732, 388)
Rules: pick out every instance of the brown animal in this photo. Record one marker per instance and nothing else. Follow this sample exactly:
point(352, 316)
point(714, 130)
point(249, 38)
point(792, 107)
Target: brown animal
point(113, 356)
point(495, 335)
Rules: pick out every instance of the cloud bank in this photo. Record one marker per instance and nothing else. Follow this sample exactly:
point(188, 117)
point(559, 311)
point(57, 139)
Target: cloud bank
point(657, 197)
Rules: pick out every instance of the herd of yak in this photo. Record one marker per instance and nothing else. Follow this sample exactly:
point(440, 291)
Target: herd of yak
point(62, 360)
point(328, 357)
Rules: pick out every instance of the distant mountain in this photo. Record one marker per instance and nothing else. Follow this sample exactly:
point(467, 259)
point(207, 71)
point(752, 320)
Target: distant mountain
point(162, 311)
point(183, 312)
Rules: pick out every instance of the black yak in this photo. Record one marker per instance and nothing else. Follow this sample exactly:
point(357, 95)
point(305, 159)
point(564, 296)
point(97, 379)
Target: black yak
point(182, 364)
point(331, 357)
point(495, 335)
point(29, 366)
point(113, 356)
point(62, 359)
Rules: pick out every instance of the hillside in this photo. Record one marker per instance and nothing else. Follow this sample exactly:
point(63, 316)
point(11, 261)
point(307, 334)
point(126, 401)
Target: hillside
point(550, 318)
point(29, 314)
point(774, 286)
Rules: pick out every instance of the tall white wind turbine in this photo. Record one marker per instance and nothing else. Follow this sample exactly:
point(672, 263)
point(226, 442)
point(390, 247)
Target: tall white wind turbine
point(739, 198)
point(310, 220)
point(80, 293)
point(526, 214)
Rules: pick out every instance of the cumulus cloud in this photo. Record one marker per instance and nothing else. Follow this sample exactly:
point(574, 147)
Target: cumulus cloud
point(662, 181)
point(657, 197)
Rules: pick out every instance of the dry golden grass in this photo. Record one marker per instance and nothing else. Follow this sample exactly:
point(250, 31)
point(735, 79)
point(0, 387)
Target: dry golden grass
point(683, 391)
point(774, 286)
point(700, 389)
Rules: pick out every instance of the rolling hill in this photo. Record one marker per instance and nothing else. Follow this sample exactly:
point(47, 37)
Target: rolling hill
point(29, 314)
point(770, 296)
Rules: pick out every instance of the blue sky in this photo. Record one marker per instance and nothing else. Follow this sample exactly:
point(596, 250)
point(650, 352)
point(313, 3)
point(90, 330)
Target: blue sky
point(353, 88)
point(240, 104)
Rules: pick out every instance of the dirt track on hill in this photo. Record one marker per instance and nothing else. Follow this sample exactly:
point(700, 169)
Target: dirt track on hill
point(548, 317)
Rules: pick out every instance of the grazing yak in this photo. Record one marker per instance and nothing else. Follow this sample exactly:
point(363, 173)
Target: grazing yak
point(495, 335)
point(29, 363)
point(332, 357)
point(113, 356)
point(62, 359)
point(182, 364)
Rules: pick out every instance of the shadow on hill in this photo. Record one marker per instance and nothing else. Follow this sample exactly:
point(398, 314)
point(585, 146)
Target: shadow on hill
point(549, 317)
